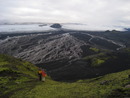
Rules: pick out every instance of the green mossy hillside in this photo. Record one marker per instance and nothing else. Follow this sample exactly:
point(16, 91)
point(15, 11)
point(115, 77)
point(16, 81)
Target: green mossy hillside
point(14, 72)
point(108, 86)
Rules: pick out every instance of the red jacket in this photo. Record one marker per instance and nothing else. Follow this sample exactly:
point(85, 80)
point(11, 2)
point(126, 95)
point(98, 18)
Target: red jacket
point(43, 73)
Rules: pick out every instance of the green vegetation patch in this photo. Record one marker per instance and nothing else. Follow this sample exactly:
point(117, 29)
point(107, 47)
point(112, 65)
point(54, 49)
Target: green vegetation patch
point(94, 49)
point(97, 62)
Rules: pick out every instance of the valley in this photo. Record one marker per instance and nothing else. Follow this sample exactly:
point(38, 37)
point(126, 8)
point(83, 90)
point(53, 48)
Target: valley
point(63, 51)
point(78, 64)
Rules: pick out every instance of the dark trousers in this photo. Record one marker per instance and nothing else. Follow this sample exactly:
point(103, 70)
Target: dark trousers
point(40, 77)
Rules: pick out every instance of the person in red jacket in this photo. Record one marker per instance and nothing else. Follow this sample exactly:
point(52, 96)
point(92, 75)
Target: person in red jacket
point(42, 74)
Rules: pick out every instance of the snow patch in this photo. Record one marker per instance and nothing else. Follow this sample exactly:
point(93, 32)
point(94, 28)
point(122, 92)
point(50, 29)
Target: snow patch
point(23, 28)
point(86, 27)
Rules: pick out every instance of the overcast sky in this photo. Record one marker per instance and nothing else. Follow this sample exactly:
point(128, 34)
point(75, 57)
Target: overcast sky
point(105, 12)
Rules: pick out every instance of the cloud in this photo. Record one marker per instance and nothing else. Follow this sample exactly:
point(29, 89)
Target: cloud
point(97, 12)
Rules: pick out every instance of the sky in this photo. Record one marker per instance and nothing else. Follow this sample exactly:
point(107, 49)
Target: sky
point(91, 12)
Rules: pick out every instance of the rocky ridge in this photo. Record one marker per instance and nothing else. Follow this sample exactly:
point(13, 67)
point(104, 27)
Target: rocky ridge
point(42, 48)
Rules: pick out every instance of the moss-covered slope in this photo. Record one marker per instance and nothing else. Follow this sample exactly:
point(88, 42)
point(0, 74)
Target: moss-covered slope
point(14, 72)
point(108, 86)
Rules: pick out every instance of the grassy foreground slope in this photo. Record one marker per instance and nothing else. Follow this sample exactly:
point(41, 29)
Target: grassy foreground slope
point(15, 74)
point(18, 79)
point(108, 86)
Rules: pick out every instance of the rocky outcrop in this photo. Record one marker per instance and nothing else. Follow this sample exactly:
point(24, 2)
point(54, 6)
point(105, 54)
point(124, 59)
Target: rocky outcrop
point(56, 25)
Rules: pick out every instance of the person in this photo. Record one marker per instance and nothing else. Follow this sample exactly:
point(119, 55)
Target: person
point(42, 74)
